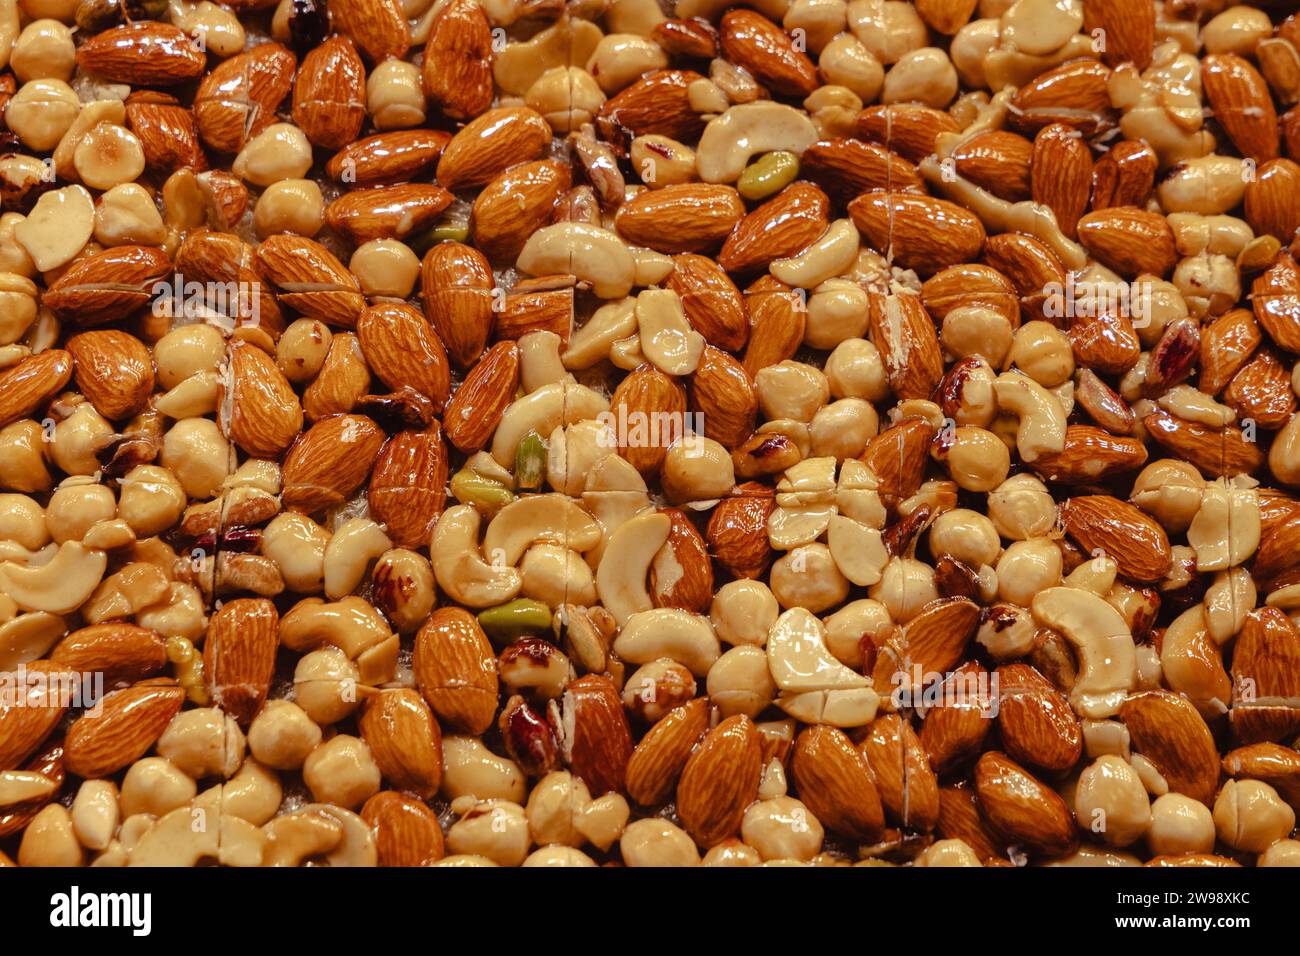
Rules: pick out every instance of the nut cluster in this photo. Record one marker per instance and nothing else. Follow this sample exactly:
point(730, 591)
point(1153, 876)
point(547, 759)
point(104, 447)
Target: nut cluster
point(524, 432)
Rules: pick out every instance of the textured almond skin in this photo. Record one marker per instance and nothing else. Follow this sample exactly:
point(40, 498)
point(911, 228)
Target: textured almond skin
point(264, 413)
point(386, 212)
point(656, 103)
point(23, 729)
point(1090, 455)
point(937, 637)
point(1265, 676)
point(737, 531)
point(311, 280)
point(907, 130)
point(599, 745)
point(122, 651)
point(657, 761)
point(1130, 30)
point(1216, 453)
point(130, 722)
point(723, 392)
point(210, 256)
point(689, 217)
point(404, 739)
point(711, 301)
point(114, 371)
point(330, 93)
point(148, 53)
point(457, 285)
point(1038, 726)
point(777, 319)
point(1121, 531)
point(408, 485)
point(904, 333)
point(922, 233)
point(1242, 103)
point(646, 391)
point(1062, 174)
point(406, 831)
point(1124, 176)
point(835, 782)
point(516, 204)
point(490, 144)
point(1167, 730)
point(953, 735)
point(1129, 240)
point(782, 226)
point(751, 40)
point(1275, 298)
point(32, 382)
point(166, 130)
point(239, 655)
point(1021, 809)
point(997, 161)
point(1106, 344)
point(458, 61)
point(238, 99)
point(393, 156)
point(107, 285)
point(681, 574)
point(377, 27)
point(475, 410)
point(404, 350)
point(959, 819)
point(1273, 199)
point(898, 456)
point(1274, 764)
point(456, 670)
point(1261, 391)
point(1073, 93)
point(908, 787)
point(844, 167)
point(329, 461)
point(720, 780)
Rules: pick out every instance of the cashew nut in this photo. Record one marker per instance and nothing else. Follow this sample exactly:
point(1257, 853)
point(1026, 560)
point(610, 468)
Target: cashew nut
point(550, 519)
point(28, 637)
point(58, 587)
point(543, 411)
point(621, 577)
point(352, 625)
point(459, 566)
point(669, 632)
point(829, 256)
point(667, 339)
point(590, 253)
point(730, 140)
point(355, 544)
point(1101, 639)
point(301, 835)
point(1042, 420)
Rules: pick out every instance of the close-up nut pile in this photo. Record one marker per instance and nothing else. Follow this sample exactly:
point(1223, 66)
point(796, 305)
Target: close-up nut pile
point(625, 432)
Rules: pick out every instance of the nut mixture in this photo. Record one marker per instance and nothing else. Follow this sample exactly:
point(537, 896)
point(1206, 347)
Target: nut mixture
point(548, 433)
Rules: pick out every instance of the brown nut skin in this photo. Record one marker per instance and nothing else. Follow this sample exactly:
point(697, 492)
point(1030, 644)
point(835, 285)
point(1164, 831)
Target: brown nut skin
point(404, 740)
point(720, 780)
point(595, 738)
point(48, 762)
point(737, 531)
point(406, 832)
point(456, 670)
point(657, 762)
point(130, 722)
point(836, 783)
point(239, 655)
point(1021, 809)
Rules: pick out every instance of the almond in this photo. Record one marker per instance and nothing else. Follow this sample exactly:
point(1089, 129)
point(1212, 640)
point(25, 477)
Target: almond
point(258, 409)
point(1277, 766)
point(946, 16)
point(644, 395)
point(208, 256)
point(904, 334)
point(1121, 531)
point(594, 734)
point(904, 129)
point(691, 37)
point(1062, 174)
point(1106, 343)
point(241, 95)
point(330, 461)
point(456, 670)
point(147, 53)
point(458, 60)
point(659, 103)
point(657, 762)
point(406, 831)
point(239, 655)
point(490, 144)
point(166, 130)
point(1273, 199)
point(386, 212)
point(1129, 240)
point(778, 318)
point(377, 27)
point(1166, 729)
point(711, 301)
point(1242, 105)
point(782, 226)
point(27, 385)
point(898, 456)
point(329, 96)
point(835, 782)
point(737, 531)
point(1031, 267)
point(107, 285)
point(408, 485)
point(723, 393)
point(681, 574)
point(1074, 93)
point(1220, 453)
point(720, 780)
point(959, 819)
point(127, 724)
point(1129, 29)
point(1279, 541)
point(1091, 455)
point(404, 351)
point(475, 410)
point(1261, 391)
point(390, 157)
point(997, 161)
point(845, 167)
point(689, 217)
point(1124, 175)
point(311, 280)
point(341, 382)
point(954, 733)
point(1265, 678)
point(543, 304)
point(121, 651)
point(1037, 724)
point(904, 228)
point(457, 289)
point(114, 371)
point(404, 739)
point(516, 204)
point(908, 787)
point(971, 284)
point(25, 724)
point(936, 638)
point(1020, 809)
point(1275, 298)
point(1102, 404)
point(752, 41)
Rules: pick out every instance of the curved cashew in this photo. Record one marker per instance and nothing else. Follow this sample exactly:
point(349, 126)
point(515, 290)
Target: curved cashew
point(798, 657)
point(855, 707)
point(354, 545)
point(180, 838)
point(352, 625)
point(300, 835)
point(621, 577)
point(459, 567)
point(551, 519)
point(590, 344)
point(357, 848)
point(669, 632)
point(539, 360)
point(27, 638)
point(858, 551)
point(1042, 420)
point(667, 339)
point(58, 587)
point(626, 353)
point(1107, 658)
point(590, 253)
point(543, 411)
point(829, 256)
point(738, 134)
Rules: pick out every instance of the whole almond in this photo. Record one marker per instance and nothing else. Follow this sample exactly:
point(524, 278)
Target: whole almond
point(1074, 93)
point(209, 256)
point(114, 371)
point(239, 655)
point(406, 831)
point(646, 394)
point(127, 723)
point(1261, 391)
point(1129, 240)
point(121, 651)
point(377, 27)
point(720, 780)
point(330, 461)
point(166, 130)
point(1091, 455)
point(1123, 532)
point(48, 762)
point(711, 301)
point(905, 129)
point(258, 409)
point(1021, 809)
point(659, 103)
point(1037, 724)
point(25, 724)
point(904, 227)
point(1106, 343)
point(782, 226)
point(390, 157)
point(1061, 174)
point(997, 161)
point(239, 98)
point(594, 734)
point(148, 53)
point(475, 409)
point(329, 95)
point(953, 734)
point(386, 212)
point(456, 670)
point(342, 380)
point(898, 456)
point(542, 304)
point(844, 167)
point(691, 37)
point(408, 485)
point(1273, 199)
point(688, 217)
point(778, 318)
point(1242, 104)
point(959, 819)
point(456, 287)
point(754, 42)
point(657, 762)
point(516, 204)
point(490, 144)
point(1129, 28)
point(971, 284)
point(403, 350)
point(835, 782)
point(1275, 298)
point(1275, 765)
point(935, 639)
point(1166, 729)
point(458, 60)
point(723, 393)
point(1216, 452)
point(737, 531)
point(404, 739)
point(107, 285)
point(27, 385)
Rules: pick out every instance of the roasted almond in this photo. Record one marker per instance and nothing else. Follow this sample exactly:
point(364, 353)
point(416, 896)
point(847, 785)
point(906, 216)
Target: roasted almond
point(1091, 455)
point(330, 461)
point(723, 393)
point(329, 95)
point(1022, 810)
point(122, 729)
point(239, 655)
point(918, 232)
point(406, 832)
point(475, 409)
point(1261, 391)
point(1219, 453)
point(148, 53)
point(311, 280)
point(1129, 240)
point(737, 531)
point(458, 60)
point(1124, 175)
point(386, 212)
point(404, 739)
point(166, 130)
point(457, 288)
point(1275, 298)
point(107, 285)
point(404, 351)
point(711, 301)
point(782, 226)
point(720, 780)
point(955, 733)
point(1105, 343)
point(456, 670)
point(1242, 104)
point(904, 129)
point(778, 318)
point(377, 27)
point(1061, 177)
point(1273, 199)
point(1037, 724)
point(114, 371)
point(594, 735)
point(908, 787)
point(659, 103)
point(657, 762)
point(690, 217)
point(239, 98)
point(390, 157)
point(33, 381)
point(1129, 29)
point(25, 723)
point(835, 782)
point(516, 204)
point(844, 167)
point(121, 651)
point(1120, 531)
point(898, 456)
point(408, 485)
point(1265, 678)
point(754, 42)
point(490, 144)
point(645, 395)
point(1074, 93)
point(258, 409)
point(997, 161)
point(1166, 729)
point(905, 336)
point(681, 574)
